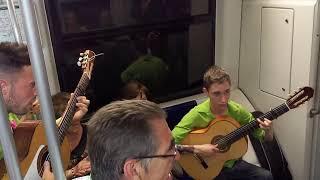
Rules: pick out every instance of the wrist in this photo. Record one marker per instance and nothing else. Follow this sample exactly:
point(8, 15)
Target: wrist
point(70, 173)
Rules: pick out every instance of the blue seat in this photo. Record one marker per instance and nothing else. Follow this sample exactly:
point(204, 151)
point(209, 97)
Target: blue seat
point(175, 113)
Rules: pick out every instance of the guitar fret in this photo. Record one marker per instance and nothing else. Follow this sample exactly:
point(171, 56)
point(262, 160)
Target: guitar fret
point(250, 127)
point(67, 118)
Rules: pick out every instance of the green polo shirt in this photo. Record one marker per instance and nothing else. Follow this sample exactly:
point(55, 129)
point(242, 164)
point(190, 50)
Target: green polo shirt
point(200, 117)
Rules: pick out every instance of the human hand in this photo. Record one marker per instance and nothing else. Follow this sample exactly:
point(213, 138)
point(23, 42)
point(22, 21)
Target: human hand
point(82, 168)
point(82, 108)
point(47, 174)
point(206, 149)
point(266, 124)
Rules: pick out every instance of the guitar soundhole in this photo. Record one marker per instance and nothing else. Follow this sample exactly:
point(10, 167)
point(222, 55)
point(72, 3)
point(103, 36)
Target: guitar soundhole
point(222, 146)
point(41, 159)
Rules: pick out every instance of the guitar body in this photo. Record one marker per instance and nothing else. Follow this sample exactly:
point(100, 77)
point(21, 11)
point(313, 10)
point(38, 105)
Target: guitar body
point(33, 157)
point(217, 129)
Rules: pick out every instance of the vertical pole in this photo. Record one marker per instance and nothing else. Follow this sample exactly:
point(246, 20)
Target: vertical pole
point(14, 21)
point(39, 72)
point(8, 144)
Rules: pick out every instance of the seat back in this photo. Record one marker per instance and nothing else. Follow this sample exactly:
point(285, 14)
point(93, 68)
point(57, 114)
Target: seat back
point(175, 113)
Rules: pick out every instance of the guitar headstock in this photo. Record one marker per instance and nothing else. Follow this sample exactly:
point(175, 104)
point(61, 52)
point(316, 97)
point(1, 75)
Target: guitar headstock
point(86, 61)
point(299, 97)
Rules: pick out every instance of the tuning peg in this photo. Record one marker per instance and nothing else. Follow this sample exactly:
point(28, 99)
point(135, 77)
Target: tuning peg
point(81, 54)
point(80, 59)
point(79, 63)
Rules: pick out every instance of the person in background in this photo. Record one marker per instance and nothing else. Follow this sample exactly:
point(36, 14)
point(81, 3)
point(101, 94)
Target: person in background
point(134, 90)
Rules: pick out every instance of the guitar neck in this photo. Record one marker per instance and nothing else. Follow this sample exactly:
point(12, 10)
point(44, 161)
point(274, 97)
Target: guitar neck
point(246, 129)
point(71, 108)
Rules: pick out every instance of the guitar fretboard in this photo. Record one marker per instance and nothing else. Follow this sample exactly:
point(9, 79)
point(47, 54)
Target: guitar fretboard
point(71, 108)
point(246, 129)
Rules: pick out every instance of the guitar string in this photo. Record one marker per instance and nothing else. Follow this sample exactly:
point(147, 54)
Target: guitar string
point(79, 89)
point(252, 125)
point(84, 81)
point(247, 128)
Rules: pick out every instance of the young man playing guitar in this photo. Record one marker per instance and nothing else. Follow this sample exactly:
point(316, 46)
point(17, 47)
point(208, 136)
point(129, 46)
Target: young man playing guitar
point(217, 86)
point(19, 91)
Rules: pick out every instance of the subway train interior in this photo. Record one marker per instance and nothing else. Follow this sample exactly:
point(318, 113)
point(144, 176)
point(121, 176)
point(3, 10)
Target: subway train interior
point(270, 49)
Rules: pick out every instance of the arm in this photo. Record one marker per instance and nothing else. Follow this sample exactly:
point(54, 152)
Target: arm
point(192, 120)
point(75, 131)
point(203, 149)
point(185, 126)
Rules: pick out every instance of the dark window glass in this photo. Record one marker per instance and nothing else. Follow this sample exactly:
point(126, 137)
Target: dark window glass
point(166, 46)
point(85, 15)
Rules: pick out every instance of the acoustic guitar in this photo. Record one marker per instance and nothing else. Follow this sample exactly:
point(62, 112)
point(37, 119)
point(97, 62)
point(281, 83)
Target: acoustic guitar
point(33, 157)
point(230, 137)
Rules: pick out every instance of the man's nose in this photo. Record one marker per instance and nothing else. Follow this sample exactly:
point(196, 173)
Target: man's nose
point(224, 99)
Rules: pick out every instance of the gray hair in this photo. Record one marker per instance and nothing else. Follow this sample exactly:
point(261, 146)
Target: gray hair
point(120, 131)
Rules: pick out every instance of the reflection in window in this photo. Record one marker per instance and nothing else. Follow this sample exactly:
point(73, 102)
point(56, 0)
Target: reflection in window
point(160, 59)
point(165, 45)
point(85, 15)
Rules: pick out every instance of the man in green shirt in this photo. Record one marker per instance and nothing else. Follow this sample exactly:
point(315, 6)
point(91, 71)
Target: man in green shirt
point(217, 85)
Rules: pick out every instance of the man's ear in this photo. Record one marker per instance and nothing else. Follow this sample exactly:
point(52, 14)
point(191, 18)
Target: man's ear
point(205, 91)
point(4, 86)
point(130, 168)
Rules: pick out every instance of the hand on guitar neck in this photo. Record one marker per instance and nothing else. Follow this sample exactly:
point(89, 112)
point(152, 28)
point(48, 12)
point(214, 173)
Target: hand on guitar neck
point(74, 133)
point(266, 125)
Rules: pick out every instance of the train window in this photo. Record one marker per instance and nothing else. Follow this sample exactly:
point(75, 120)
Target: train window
point(6, 27)
point(84, 15)
point(167, 50)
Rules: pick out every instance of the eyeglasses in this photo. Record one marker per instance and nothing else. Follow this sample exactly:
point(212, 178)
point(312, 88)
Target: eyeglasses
point(159, 156)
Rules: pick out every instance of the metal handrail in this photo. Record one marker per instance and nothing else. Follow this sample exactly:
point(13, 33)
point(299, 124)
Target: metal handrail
point(46, 42)
point(41, 79)
point(8, 145)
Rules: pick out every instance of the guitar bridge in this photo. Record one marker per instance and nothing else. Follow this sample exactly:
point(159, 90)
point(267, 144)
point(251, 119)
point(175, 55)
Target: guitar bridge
point(202, 162)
